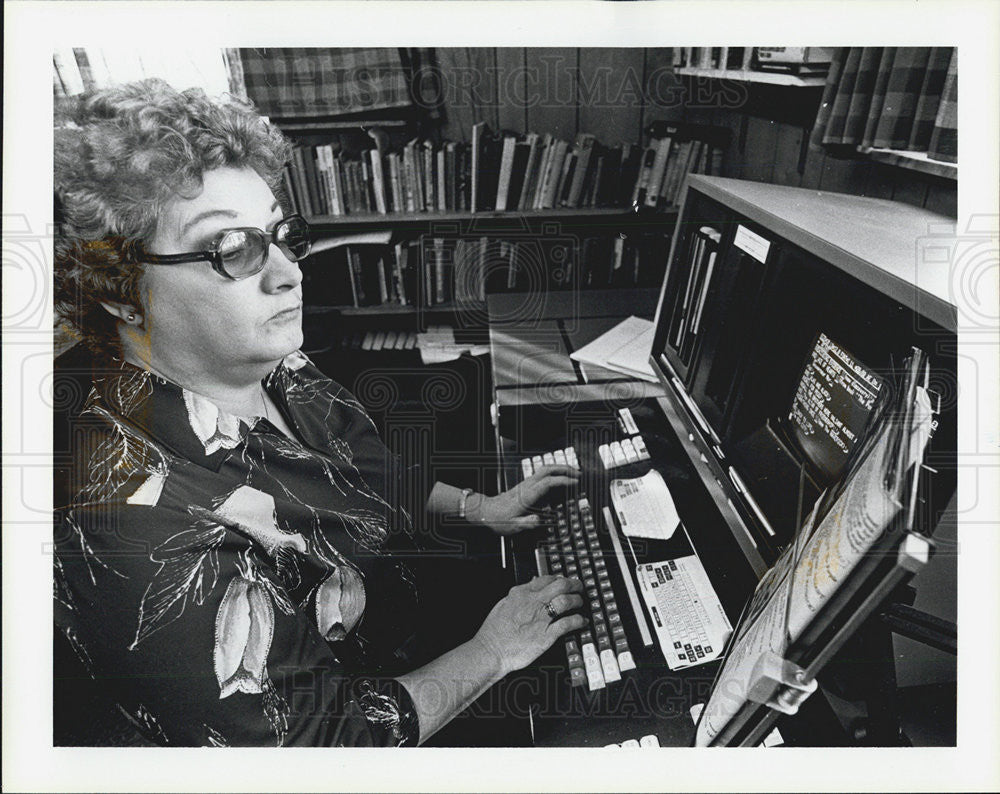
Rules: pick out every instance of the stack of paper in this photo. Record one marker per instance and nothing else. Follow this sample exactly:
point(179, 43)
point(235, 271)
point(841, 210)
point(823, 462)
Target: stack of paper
point(625, 348)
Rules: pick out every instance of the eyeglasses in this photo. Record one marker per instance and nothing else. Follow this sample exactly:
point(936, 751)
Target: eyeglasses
point(241, 253)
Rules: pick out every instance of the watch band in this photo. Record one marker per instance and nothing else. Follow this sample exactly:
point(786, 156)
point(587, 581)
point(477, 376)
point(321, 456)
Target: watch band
point(462, 499)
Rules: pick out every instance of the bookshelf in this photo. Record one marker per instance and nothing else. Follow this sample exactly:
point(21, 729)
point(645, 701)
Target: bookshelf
point(753, 76)
point(551, 215)
point(915, 161)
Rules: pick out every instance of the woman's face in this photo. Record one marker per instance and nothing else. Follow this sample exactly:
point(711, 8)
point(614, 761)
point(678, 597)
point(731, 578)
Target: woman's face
point(201, 324)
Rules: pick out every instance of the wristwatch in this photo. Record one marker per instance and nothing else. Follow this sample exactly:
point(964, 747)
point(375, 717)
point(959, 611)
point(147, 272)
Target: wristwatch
point(462, 499)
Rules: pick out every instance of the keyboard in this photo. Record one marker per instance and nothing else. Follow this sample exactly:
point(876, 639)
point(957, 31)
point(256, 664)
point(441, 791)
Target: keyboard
point(563, 457)
point(599, 653)
point(691, 626)
point(613, 455)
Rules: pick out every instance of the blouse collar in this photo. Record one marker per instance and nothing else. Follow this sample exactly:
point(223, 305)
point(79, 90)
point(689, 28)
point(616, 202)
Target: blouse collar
point(189, 424)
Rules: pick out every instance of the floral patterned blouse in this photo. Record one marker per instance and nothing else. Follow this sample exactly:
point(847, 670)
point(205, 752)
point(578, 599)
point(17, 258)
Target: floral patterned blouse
point(228, 585)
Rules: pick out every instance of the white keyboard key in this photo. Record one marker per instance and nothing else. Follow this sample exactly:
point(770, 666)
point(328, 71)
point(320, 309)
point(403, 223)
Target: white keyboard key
point(367, 343)
point(649, 741)
point(571, 457)
point(630, 743)
point(401, 340)
point(630, 454)
point(610, 666)
point(617, 454)
point(526, 467)
point(640, 448)
point(605, 452)
point(548, 459)
point(560, 457)
point(537, 462)
point(390, 340)
point(612, 746)
point(625, 661)
point(595, 677)
point(628, 421)
point(379, 340)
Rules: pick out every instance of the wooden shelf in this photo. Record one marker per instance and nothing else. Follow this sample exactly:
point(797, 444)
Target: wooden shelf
point(587, 218)
point(394, 309)
point(749, 76)
point(915, 161)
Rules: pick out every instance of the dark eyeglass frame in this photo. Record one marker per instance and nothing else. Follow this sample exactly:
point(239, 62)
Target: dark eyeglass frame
point(215, 256)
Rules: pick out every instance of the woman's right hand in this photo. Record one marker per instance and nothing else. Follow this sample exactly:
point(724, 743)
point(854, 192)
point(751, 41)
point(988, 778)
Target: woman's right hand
point(519, 628)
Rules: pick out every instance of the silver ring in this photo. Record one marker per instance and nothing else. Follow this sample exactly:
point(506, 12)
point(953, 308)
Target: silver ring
point(551, 610)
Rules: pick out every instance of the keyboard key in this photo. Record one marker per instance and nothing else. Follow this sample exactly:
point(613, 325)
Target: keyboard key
point(625, 661)
point(649, 741)
point(560, 457)
point(592, 663)
point(577, 676)
point(526, 468)
point(547, 459)
point(605, 454)
point(537, 461)
point(630, 743)
point(640, 447)
point(617, 454)
point(609, 665)
point(630, 454)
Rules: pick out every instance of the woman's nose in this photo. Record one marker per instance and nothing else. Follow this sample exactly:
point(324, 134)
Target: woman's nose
point(280, 272)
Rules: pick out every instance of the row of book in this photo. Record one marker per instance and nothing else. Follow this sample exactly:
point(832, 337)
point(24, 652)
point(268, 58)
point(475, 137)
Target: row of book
point(458, 270)
point(497, 171)
point(800, 60)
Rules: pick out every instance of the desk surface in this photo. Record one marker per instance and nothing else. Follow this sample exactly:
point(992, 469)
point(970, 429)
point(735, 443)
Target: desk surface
point(533, 334)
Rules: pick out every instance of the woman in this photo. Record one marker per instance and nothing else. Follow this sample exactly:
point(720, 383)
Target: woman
point(236, 560)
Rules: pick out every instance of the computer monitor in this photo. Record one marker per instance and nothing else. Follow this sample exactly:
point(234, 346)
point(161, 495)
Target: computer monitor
point(834, 400)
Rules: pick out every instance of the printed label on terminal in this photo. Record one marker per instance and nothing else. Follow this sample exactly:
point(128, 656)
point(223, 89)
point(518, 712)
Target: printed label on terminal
point(752, 243)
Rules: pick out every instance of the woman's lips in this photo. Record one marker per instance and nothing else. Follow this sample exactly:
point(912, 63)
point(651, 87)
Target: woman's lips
point(288, 314)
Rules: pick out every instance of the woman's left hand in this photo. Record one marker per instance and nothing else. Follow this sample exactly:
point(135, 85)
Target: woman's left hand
point(513, 511)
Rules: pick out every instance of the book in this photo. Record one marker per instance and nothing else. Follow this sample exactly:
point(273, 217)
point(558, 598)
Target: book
point(398, 267)
point(506, 169)
point(522, 150)
point(554, 172)
point(565, 179)
point(658, 172)
point(441, 190)
point(291, 197)
point(452, 175)
point(479, 131)
point(378, 182)
point(639, 191)
point(584, 148)
point(429, 177)
point(531, 168)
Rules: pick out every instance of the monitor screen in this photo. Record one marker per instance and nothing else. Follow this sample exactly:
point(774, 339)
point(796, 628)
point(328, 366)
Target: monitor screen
point(832, 405)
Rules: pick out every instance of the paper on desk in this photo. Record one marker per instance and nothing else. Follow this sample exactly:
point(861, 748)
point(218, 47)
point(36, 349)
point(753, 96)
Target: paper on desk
point(625, 348)
point(644, 507)
point(438, 346)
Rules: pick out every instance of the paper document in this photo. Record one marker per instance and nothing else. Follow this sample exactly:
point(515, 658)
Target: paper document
point(644, 507)
point(625, 348)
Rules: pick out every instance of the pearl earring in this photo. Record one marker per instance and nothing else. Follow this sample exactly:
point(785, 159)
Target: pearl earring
point(131, 318)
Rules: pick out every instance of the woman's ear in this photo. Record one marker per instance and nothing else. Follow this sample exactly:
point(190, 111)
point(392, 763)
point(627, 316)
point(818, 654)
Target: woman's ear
point(127, 314)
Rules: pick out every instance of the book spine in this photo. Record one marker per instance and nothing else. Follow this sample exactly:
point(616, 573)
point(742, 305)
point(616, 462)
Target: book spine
point(585, 146)
point(441, 192)
point(506, 168)
point(439, 271)
point(530, 174)
point(658, 172)
point(378, 182)
point(399, 265)
point(383, 284)
point(293, 202)
point(303, 180)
